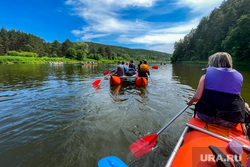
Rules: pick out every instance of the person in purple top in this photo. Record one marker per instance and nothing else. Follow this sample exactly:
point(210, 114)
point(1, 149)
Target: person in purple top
point(218, 93)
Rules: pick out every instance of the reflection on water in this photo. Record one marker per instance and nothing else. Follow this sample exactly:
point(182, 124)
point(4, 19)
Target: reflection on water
point(123, 91)
point(188, 74)
point(51, 115)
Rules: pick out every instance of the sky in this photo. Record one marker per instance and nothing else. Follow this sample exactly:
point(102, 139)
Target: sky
point(141, 24)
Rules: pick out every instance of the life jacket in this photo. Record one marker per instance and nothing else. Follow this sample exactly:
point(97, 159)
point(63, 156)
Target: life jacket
point(144, 69)
point(221, 96)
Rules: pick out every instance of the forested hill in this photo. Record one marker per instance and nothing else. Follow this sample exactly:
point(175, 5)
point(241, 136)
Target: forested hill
point(227, 28)
point(15, 40)
point(126, 53)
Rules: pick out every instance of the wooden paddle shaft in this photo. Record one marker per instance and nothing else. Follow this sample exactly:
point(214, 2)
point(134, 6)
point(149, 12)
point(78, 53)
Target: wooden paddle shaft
point(214, 135)
point(160, 131)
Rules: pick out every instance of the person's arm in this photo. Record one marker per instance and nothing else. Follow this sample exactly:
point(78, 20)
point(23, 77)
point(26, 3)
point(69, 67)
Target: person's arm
point(247, 106)
point(198, 92)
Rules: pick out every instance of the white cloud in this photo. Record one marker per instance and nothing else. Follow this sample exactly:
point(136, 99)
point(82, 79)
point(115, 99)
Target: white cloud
point(157, 39)
point(102, 15)
point(105, 17)
point(184, 27)
point(142, 3)
point(167, 48)
point(91, 36)
point(161, 36)
point(70, 2)
point(204, 6)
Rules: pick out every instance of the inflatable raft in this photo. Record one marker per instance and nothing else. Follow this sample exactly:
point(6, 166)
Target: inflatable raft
point(139, 81)
point(200, 145)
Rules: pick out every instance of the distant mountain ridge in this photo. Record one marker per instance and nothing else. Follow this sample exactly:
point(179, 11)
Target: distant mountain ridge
point(138, 54)
point(16, 40)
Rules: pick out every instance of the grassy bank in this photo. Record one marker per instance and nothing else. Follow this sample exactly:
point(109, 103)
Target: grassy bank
point(102, 61)
point(38, 60)
point(41, 60)
point(34, 60)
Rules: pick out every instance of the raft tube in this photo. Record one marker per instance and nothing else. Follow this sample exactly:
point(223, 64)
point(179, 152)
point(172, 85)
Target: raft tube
point(141, 81)
point(204, 144)
point(115, 80)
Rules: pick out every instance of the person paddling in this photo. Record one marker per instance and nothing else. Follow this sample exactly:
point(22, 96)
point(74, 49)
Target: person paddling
point(125, 68)
point(132, 67)
point(119, 71)
point(138, 68)
point(218, 93)
point(144, 69)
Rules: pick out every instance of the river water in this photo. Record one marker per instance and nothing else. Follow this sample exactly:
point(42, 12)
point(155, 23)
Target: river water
point(52, 116)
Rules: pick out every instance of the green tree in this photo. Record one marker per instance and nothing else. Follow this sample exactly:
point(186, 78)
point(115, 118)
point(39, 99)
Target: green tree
point(54, 54)
point(113, 56)
point(28, 48)
point(82, 46)
point(225, 29)
point(92, 50)
point(237, 40)
point(108, 51)
point(80, 54)
point(66, 45)
point(56, 47)
point(13, 40)
point(101, 51)
point(71, 53)
point(97, 56)
point(1, 47)
point(5, 40)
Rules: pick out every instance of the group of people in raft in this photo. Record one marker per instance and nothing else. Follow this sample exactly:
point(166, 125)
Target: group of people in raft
point(130, 70)
point(218, 96)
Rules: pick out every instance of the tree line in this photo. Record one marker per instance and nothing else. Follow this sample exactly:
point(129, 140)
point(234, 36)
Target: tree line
point(225, 29)
point(14, 41)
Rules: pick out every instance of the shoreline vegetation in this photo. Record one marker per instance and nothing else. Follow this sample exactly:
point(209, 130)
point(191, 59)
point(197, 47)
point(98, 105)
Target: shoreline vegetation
point(46, 60)
point(225, 29)
point(21, 57)
point(16, 43)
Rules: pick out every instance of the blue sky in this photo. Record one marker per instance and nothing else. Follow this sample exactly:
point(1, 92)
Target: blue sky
point(144, 24)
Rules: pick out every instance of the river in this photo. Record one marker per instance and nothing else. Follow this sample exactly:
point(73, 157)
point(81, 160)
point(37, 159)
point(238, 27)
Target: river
point(52, 116)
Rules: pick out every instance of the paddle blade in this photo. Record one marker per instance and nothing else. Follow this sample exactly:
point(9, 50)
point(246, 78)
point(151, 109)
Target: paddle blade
point(106, 73)
point(111, 161)
point(155, 67)
point(96, 82)
point(144, 145)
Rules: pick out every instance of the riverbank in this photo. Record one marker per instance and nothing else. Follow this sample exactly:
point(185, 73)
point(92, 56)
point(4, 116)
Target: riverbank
point(41, 60)
point(45, 60)
point(34, 60)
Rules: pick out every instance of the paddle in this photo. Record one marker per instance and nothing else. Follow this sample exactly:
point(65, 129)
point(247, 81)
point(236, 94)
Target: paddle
point(111, 161)
point(152, 80)
point(154, 67)
point(99, 80)
point(144, 145)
